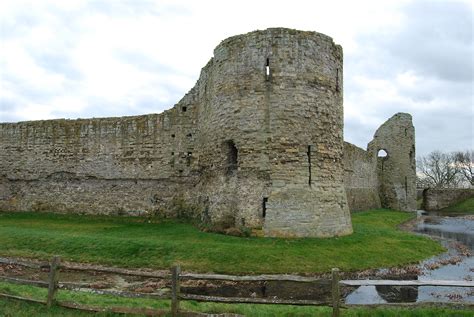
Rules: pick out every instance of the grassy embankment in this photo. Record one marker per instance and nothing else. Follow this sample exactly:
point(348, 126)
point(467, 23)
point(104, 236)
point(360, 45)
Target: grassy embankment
point(22, 309)
point(466, 206)
point(129, 242)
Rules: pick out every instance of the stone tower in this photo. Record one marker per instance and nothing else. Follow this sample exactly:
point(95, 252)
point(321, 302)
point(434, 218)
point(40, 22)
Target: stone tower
point(270, 134)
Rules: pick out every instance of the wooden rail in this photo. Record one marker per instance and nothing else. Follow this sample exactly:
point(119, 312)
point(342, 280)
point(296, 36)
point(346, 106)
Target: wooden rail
point(54, 285)
point(250, 278)
point(249, 300)
point(408, 283)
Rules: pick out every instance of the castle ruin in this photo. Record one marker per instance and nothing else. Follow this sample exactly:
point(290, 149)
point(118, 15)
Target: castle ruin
point(257, 142)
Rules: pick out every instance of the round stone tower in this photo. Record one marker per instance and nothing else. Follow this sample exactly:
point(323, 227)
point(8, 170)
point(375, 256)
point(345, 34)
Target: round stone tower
point(270, 134)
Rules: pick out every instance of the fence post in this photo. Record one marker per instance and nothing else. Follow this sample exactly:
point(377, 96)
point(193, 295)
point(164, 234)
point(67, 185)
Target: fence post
point(53, 280)
point(175, 290)
point(335, 292)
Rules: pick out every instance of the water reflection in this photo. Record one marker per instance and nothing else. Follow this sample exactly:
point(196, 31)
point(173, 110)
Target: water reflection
point(365, 295)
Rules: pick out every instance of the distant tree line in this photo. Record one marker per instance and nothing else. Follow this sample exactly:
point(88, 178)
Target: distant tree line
point(446, 170)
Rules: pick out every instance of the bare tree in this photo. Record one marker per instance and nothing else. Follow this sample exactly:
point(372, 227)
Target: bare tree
point(438, 170)
point(465, 164)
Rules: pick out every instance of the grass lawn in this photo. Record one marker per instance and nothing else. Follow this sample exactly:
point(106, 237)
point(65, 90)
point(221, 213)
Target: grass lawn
point(22, 309)
point(466, 206)
point(129, 242)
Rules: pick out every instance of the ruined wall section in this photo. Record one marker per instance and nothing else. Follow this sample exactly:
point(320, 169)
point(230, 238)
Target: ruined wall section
point(360, 178)
point(396, 171)
point(107, 165)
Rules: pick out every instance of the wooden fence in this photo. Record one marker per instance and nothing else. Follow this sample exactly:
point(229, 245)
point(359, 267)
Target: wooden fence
point(175, 295)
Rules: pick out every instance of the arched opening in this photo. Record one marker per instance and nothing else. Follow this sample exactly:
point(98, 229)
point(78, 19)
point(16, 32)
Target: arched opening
point(232, 157)
point(382, 153)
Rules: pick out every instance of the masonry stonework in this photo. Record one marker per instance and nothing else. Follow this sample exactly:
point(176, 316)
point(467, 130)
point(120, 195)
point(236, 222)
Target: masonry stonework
point(360, 178)
point(257, 142)
point(373, 181)
point(397, 170)
point(439, 198)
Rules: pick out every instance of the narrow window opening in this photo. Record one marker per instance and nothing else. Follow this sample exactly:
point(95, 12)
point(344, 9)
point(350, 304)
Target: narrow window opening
point(406, 187)
point(264, 207)
point(232, 157)
point(267, 69)
point(337, 79)
point(242, 222)
point(190, 153)
point(184, 109)
point(309, 165)
point(412, 157)
point(189, 135)
point(173, 135)
point(405, 131)
point(172, 153)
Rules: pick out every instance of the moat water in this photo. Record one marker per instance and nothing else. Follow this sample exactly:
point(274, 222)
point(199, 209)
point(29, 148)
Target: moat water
point(451, 265)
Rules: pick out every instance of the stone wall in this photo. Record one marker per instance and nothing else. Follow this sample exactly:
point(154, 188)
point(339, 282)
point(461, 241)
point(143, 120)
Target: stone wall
point(111, 165)
point(360, 178)
point(436, 199)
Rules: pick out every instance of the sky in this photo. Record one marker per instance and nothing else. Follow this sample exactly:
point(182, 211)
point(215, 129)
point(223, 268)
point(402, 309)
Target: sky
point(80, 59)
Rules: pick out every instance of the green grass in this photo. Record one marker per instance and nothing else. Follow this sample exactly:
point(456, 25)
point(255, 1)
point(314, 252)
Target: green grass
point(466, 206)
point(22, 309)
point(129, 242)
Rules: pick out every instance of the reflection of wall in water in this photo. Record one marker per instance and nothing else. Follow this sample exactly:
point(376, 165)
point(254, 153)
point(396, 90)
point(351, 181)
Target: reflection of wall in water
point(466, 238)
point(398, 294)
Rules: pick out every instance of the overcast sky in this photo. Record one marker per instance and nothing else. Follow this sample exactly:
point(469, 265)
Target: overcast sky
point(80, 59)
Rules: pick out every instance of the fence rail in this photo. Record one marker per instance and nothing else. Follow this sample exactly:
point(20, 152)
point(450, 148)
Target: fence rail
point(407, 283)
point(54, 285)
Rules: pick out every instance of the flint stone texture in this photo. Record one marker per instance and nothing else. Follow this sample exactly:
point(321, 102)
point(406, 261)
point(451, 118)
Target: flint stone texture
point(257, 142)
